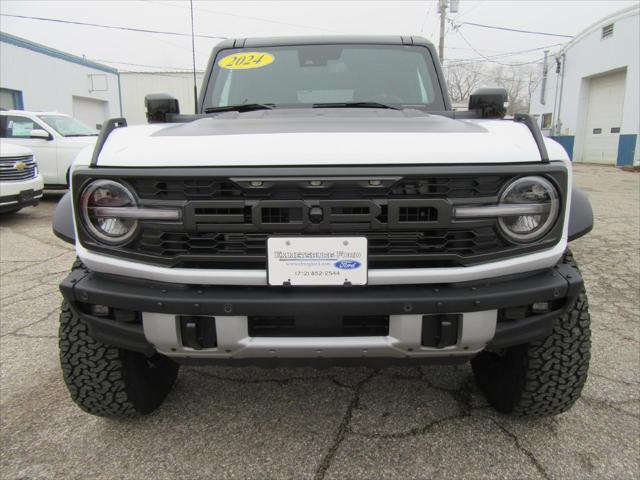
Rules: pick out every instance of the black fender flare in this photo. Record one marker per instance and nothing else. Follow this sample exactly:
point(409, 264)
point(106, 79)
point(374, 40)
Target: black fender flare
point(580, 214)
point(63, 226)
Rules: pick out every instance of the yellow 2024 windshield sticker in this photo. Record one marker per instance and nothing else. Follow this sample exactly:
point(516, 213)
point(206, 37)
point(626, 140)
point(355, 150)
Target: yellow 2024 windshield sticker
point(245, 60)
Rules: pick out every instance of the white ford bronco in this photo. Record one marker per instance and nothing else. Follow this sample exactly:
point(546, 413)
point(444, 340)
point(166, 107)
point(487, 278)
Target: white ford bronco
point(324, 206)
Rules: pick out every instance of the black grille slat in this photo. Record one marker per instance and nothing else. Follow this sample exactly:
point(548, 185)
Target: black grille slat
point(303, 326)
point(174, 244)
point(220, 189)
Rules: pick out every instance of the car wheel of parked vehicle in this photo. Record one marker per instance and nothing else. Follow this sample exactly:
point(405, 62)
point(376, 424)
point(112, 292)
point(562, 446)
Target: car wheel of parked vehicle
point(108, 381)
point(544, 377)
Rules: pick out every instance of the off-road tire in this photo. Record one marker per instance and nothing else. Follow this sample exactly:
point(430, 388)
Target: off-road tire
point(544, 377)
point(108, 381)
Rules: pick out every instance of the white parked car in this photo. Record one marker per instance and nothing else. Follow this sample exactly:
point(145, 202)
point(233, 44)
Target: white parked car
point(54, 138)
point(20, 183)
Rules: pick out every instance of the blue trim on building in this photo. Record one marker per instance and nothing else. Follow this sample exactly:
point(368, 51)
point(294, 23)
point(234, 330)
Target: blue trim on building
point(36, 47)
point(567, 142)
point(626, 149)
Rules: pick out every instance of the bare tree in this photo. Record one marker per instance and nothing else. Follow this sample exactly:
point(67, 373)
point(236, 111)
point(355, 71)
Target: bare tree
point(519, 81)
point(462, 80)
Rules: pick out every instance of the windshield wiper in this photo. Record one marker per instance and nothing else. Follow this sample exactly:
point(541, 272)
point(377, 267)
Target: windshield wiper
point(355, 105)
point(244, 107)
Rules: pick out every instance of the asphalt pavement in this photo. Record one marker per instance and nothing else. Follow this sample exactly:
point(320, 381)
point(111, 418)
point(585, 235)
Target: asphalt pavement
point(428, 422)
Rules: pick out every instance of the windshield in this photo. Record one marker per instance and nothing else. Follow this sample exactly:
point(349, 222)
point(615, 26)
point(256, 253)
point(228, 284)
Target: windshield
point(397, 75)
point(68, 126)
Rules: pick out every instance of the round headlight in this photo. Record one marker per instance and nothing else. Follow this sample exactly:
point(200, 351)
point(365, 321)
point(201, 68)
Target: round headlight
point(108, 229)
point(536, 192)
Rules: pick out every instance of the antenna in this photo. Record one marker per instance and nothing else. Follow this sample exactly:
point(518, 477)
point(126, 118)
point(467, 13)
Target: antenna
point(193, 53)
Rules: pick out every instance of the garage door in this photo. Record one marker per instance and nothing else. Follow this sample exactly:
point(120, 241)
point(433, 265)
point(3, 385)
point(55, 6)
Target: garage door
point(90, 111)
point(604, 118)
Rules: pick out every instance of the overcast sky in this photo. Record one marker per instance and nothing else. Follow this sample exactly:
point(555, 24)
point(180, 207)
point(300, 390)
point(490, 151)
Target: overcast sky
point(246, 19)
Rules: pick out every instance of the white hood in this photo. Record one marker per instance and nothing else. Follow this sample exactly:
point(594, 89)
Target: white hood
point(318, 138)
point(11, 150)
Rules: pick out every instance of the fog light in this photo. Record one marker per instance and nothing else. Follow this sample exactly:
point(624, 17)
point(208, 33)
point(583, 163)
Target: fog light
point(256, 183)
point(315, 183)
point(375, 183)
point(100, 310)
point(540, 307)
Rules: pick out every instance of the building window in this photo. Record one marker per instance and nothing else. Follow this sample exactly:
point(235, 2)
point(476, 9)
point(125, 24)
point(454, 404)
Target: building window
point(597, 131)
point(615, 129)
point(10, 99)
point(607, 31)
point(546, 120)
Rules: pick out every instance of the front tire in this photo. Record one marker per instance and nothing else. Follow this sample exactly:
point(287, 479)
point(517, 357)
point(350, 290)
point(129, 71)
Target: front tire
point(544, 377)
point(109, 381)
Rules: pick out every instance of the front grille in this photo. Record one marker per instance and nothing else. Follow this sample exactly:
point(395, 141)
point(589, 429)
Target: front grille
point(406, 213)
point(15, 169)
point(249, 250)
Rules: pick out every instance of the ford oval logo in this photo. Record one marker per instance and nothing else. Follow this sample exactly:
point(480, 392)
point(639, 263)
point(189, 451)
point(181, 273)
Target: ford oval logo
point(347, 264)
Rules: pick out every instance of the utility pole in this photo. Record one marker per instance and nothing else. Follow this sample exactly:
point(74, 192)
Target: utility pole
point(453, 6)
point(193, 53)
point(442, 9)
point(543, 86)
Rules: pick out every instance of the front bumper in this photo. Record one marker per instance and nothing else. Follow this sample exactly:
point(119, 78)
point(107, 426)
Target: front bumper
point(481, 307)
point(15, 195)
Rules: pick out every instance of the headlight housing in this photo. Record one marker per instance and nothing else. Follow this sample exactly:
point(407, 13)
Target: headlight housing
point(104, 194)
point(530, 191)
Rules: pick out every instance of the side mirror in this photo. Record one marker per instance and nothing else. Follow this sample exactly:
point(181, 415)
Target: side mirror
point(159, 106)
point(39, 133)
point(490, 101)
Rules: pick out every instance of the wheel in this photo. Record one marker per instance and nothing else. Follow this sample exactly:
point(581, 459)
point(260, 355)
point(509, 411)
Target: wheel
point(108, 381)
point(544, 377)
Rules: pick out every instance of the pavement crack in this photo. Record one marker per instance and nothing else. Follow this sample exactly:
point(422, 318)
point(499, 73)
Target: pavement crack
point(41, 319)
point(25, 335)
point(518, 444)
point(412, 432)
point(279, 381)
point(605, 405)
point(614, 380)
point(343, 428)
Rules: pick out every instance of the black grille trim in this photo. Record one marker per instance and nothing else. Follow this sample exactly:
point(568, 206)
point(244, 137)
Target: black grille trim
point(320, 326)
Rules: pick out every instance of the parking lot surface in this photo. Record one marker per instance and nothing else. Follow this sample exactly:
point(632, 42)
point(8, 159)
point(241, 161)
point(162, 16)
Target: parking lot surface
point(429, 422)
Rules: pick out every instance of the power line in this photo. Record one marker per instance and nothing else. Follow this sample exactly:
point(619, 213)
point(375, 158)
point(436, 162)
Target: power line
point(488, 58)
point(426, 17)
point(499, 55)
point(242, 16)
point(186, 69)
point(113, 27)
point(514, 30)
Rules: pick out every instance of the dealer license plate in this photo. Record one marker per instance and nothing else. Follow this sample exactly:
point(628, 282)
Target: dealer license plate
point(317, 260)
